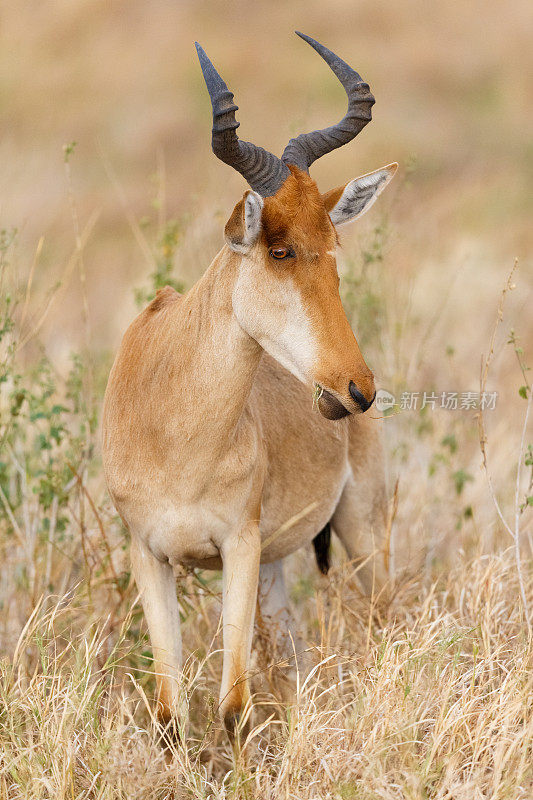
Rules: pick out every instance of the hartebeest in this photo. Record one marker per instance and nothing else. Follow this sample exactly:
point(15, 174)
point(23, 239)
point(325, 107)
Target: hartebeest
point(211, 438)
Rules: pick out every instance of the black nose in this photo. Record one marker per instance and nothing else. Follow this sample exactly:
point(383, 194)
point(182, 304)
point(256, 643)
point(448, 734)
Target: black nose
point(359, 398)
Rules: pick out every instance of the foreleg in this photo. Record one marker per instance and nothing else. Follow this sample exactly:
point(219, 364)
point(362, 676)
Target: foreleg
point(157, 587)
point(240, 558)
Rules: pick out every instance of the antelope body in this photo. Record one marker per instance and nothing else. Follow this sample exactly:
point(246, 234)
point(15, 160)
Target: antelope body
point(210, 439)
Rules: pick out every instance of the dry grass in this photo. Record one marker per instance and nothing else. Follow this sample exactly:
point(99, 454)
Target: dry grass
point(430, 699)
point(430, 696)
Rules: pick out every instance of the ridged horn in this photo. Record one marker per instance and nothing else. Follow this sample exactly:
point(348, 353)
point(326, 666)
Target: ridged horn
point(307, 147)
point(264, 172)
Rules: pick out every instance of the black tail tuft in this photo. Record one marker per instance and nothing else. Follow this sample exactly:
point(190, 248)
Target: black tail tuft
point(322, 545)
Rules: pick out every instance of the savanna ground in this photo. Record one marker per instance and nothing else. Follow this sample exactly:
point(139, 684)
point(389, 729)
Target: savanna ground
point(427, 696)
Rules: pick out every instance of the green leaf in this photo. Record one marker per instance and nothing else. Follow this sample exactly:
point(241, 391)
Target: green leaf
point(68, 150)
point(451, 442)
point(523, 392)
point(460, 478)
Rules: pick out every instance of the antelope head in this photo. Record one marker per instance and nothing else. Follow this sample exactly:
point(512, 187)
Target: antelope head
point(286, 294)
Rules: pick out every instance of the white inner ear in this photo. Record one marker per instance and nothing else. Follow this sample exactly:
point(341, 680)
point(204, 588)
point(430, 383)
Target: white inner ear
point(253, 207)
point(360, 194)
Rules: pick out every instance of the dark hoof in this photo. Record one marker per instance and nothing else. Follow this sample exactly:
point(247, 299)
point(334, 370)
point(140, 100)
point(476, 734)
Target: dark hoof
point(237, 730)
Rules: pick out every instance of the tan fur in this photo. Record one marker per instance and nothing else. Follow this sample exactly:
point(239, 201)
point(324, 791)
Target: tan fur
point(210, 445)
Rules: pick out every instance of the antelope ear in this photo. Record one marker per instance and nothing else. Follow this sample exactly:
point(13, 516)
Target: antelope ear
point(244, 226)
point(346, 203)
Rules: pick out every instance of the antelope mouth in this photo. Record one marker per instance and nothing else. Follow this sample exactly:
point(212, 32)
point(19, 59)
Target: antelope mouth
point(330, 407)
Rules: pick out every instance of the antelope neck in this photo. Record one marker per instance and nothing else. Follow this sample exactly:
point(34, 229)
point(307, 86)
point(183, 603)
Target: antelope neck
point(221, 359)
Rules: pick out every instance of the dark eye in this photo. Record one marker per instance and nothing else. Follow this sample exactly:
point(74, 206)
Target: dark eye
point(280, 252)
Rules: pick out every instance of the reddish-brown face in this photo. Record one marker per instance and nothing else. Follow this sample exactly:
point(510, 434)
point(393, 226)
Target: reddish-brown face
point(287, 291)
point(296, 222)
point(288, 299)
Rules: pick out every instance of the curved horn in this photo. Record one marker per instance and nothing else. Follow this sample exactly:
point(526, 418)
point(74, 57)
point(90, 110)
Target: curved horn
point(264, 172)
point(307, 147)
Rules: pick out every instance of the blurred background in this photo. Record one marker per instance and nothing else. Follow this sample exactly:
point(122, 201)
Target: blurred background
point(109, 189)
point(454, 102)
point(109, 180)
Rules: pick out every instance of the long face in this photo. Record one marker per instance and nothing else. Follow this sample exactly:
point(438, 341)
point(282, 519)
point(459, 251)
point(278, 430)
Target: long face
point(286, 294)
